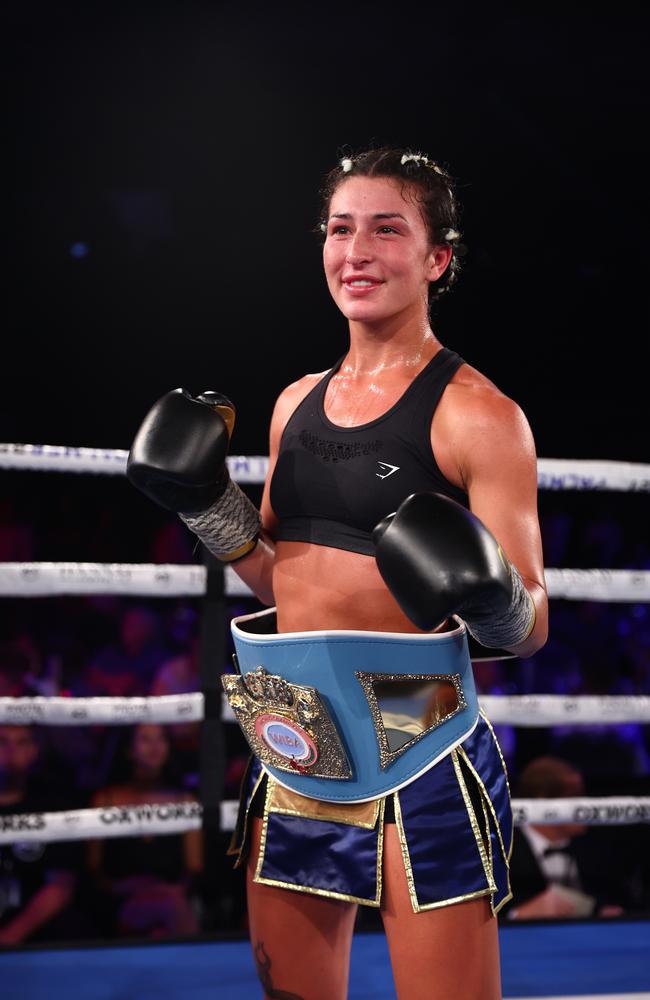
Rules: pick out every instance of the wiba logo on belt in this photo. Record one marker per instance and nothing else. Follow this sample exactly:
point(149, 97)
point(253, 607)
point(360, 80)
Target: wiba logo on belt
point(284, 724)
point(286, 738)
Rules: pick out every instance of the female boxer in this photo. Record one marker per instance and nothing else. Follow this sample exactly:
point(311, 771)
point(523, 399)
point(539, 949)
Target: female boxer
point(402, 488)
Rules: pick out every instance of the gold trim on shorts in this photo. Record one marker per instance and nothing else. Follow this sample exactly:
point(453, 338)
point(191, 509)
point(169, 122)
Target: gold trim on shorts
point(483, 791)
point(311, 890)
point(288, 803)
point(497, 826)
point(417, 906)
point(486, 860)
point(505, 774)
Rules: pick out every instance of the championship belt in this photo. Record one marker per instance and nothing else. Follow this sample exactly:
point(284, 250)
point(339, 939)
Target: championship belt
point(349, 716)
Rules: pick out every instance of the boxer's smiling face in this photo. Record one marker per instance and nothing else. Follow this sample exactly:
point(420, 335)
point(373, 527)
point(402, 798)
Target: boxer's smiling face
point(377, 255)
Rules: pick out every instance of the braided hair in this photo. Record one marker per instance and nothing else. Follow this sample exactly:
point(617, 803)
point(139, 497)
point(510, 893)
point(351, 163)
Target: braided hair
point(432, 186)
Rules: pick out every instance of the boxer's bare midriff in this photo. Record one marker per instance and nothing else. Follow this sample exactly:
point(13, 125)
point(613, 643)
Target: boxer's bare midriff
point(317, 587)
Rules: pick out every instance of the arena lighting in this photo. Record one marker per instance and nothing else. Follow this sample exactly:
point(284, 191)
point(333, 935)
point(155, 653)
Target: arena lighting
point(79, 250)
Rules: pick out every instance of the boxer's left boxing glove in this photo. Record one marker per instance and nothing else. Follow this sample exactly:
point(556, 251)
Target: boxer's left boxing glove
point(178, 459)
point(438, 559)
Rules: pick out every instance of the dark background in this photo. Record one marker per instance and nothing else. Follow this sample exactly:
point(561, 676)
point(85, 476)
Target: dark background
point(184, 144)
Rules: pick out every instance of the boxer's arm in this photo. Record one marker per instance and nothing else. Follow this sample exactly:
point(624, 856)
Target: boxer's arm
point(439, 559)
point(497, 462)
point(256, 568)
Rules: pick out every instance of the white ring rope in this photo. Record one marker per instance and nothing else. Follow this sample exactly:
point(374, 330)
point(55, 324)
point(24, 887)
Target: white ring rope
point(178, 817)
point(60, 711)
point(108, 461)
point(115, 821)
point(611, 810)
point(599, 584)
point(40, 579)
point(578, 474)
point(552, 473)
point(558, 710)
point(515, 710)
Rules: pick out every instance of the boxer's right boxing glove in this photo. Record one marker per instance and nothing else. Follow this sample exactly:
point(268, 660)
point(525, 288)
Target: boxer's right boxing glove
point(178, 459)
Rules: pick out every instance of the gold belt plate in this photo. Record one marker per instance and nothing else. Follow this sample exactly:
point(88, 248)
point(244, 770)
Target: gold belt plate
point(286, 725)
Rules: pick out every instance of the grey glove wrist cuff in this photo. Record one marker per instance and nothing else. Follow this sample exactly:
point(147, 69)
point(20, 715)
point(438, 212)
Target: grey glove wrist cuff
point(512, 626)
point(228, 528)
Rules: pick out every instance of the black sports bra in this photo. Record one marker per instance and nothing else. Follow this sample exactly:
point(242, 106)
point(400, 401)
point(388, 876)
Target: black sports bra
point(332, 485)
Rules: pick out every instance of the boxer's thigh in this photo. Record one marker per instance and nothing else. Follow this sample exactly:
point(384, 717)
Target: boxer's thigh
point(301, 942)
point(436, 954)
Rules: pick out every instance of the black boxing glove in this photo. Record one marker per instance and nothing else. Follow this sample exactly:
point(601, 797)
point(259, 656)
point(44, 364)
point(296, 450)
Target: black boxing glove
point(178, 456)
point(438, 559)
point(178, 459)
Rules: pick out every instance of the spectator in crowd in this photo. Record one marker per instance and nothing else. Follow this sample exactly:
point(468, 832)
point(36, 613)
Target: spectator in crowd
point(127, 667)
point(557, 870)
point(633, 633)
point(37, 880)
point(179, 672)
point(146, 885)
point(180, 675)
point(602, 750)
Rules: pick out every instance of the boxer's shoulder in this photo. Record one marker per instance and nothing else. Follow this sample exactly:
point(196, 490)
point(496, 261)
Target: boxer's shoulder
point(472, 401)
point(475, 419)
point(468, 379)
point(293, 394)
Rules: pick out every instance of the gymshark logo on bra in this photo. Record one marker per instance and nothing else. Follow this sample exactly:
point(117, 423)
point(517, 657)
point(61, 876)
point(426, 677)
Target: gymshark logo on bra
point(391, 469)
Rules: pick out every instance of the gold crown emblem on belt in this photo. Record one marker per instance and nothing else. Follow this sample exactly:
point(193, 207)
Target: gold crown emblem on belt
point(268, 689)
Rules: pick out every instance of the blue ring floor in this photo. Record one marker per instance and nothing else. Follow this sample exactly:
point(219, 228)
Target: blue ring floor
point(605, 959)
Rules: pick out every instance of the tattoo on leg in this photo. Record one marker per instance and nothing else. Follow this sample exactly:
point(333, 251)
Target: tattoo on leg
point(263, 963)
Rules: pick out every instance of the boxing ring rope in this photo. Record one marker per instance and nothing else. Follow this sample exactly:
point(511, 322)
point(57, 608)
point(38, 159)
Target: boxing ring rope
point(521, 710)
point(111, 461)
point(552, 473)
point(43, 579)
point(162, 818)
point(35, 579)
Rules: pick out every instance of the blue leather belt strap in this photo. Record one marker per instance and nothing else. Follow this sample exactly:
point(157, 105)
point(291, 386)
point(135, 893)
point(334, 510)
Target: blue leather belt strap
point(331, 714)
